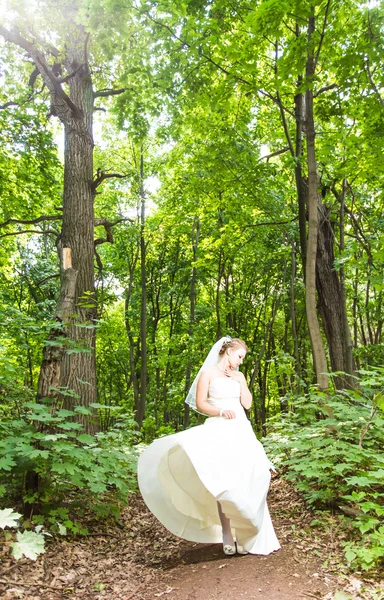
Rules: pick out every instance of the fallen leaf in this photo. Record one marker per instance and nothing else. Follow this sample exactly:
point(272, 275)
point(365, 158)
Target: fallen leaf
point(342, 596)
point(167, 591)
point(355, 583)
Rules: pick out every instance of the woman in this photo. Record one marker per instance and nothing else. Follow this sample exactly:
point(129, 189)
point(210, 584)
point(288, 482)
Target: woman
point(209, 483)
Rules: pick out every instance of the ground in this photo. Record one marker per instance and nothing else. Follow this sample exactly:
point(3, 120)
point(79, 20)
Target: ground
point(138, 559)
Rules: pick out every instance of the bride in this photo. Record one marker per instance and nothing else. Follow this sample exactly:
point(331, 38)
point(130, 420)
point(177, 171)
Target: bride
point(209, 483)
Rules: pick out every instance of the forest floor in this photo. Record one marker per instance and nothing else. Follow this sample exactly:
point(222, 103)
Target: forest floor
point(140, 560)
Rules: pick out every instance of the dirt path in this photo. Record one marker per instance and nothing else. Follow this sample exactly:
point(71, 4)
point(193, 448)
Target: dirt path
point(140, 560)
point(293, 573)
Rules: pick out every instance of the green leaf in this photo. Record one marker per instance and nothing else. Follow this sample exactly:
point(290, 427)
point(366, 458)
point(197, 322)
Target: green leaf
point(79, 351)
point(8, 518)
point(62, 529)
point(63, 412)
point(64, 467)
point(84, 438)
point(6, 463)
point(65, 392)
point(342, 596)
point(39, 453)
point(350, 555)
point(68, 426)
point(82, 410)
point(28, 544)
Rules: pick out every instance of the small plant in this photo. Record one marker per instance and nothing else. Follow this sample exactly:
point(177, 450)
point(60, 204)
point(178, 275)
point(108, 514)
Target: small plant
point(337, 461)
point(47, 442)
point(28, 543)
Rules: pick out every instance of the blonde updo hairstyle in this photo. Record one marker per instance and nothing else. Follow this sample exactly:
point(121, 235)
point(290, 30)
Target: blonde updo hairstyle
point(232, 343)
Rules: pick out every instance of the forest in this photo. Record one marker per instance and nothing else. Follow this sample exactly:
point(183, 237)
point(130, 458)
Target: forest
point(172, 172)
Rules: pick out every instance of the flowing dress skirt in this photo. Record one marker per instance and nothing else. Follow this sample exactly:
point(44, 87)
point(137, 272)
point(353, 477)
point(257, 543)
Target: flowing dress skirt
point(184, 475)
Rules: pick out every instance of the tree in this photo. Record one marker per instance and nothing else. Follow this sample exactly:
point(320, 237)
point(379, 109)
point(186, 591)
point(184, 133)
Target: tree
point(258, 57)
point(66, 73)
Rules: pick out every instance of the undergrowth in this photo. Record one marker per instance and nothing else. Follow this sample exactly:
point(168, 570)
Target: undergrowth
point(74, 473)
point(332, 447)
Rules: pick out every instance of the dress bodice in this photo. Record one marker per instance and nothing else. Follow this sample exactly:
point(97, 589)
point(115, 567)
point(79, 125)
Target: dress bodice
point(224, 392)
point(223, 388)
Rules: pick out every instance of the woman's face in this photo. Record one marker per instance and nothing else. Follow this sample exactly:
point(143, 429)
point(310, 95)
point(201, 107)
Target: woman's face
point(236, 356)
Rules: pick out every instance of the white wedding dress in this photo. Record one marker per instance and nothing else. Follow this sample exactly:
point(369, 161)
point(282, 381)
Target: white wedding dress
point(184, 475)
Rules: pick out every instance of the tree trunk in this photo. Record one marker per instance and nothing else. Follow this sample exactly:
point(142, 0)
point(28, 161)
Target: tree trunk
point(332, 301)
point(140, 410)
point(292, 310)
point(220, 272)
point(132, 346)
point(79, 368)
point(300, 184)
point(192, 304)
point(318, 350)
point(50, 370)
point(75, 111)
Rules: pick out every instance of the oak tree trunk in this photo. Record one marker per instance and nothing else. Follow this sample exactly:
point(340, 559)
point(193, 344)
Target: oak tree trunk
point(75, 111)
point(79, 368)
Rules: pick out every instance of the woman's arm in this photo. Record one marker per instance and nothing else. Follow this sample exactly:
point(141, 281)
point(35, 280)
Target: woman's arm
point(201, 399)
point(202, 394)
point(245, 394)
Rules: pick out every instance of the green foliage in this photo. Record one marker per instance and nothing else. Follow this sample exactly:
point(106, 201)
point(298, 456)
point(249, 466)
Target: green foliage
point(333, 450)
point(48, 442)
point(28, 543)
point(209, 105)
point(8, 518)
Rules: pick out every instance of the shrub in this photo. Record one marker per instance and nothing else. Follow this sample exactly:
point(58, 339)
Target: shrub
point(332, 448)
point(49, 443)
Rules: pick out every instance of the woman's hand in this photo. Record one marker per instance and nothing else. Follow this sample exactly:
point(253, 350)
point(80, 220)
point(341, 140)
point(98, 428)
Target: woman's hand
point(228, 414)
point(228, 372)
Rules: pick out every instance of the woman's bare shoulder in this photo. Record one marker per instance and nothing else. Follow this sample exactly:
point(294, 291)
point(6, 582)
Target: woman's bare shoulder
point(208, 373)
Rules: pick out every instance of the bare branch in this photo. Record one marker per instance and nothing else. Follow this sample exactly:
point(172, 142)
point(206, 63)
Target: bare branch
point(101, 176)
point(108, 226)
point(49, 77)
point(277, 100)
point(268, 156)
point(109, 239)
point(281, 109)
point(39, 231)
point(109, 92)
point(331, 86)
point(31, 221)
point(55, 276)
point(374, 87)
point(98, 260)
point(271, 223)
point(322, 35)
point(68, 77)
point(51, 49)
point(7, 104)
point(106, 223)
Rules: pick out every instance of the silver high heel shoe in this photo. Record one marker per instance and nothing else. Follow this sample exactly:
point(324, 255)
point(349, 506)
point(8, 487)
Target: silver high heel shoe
point(229, 550)
point(240, 549)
